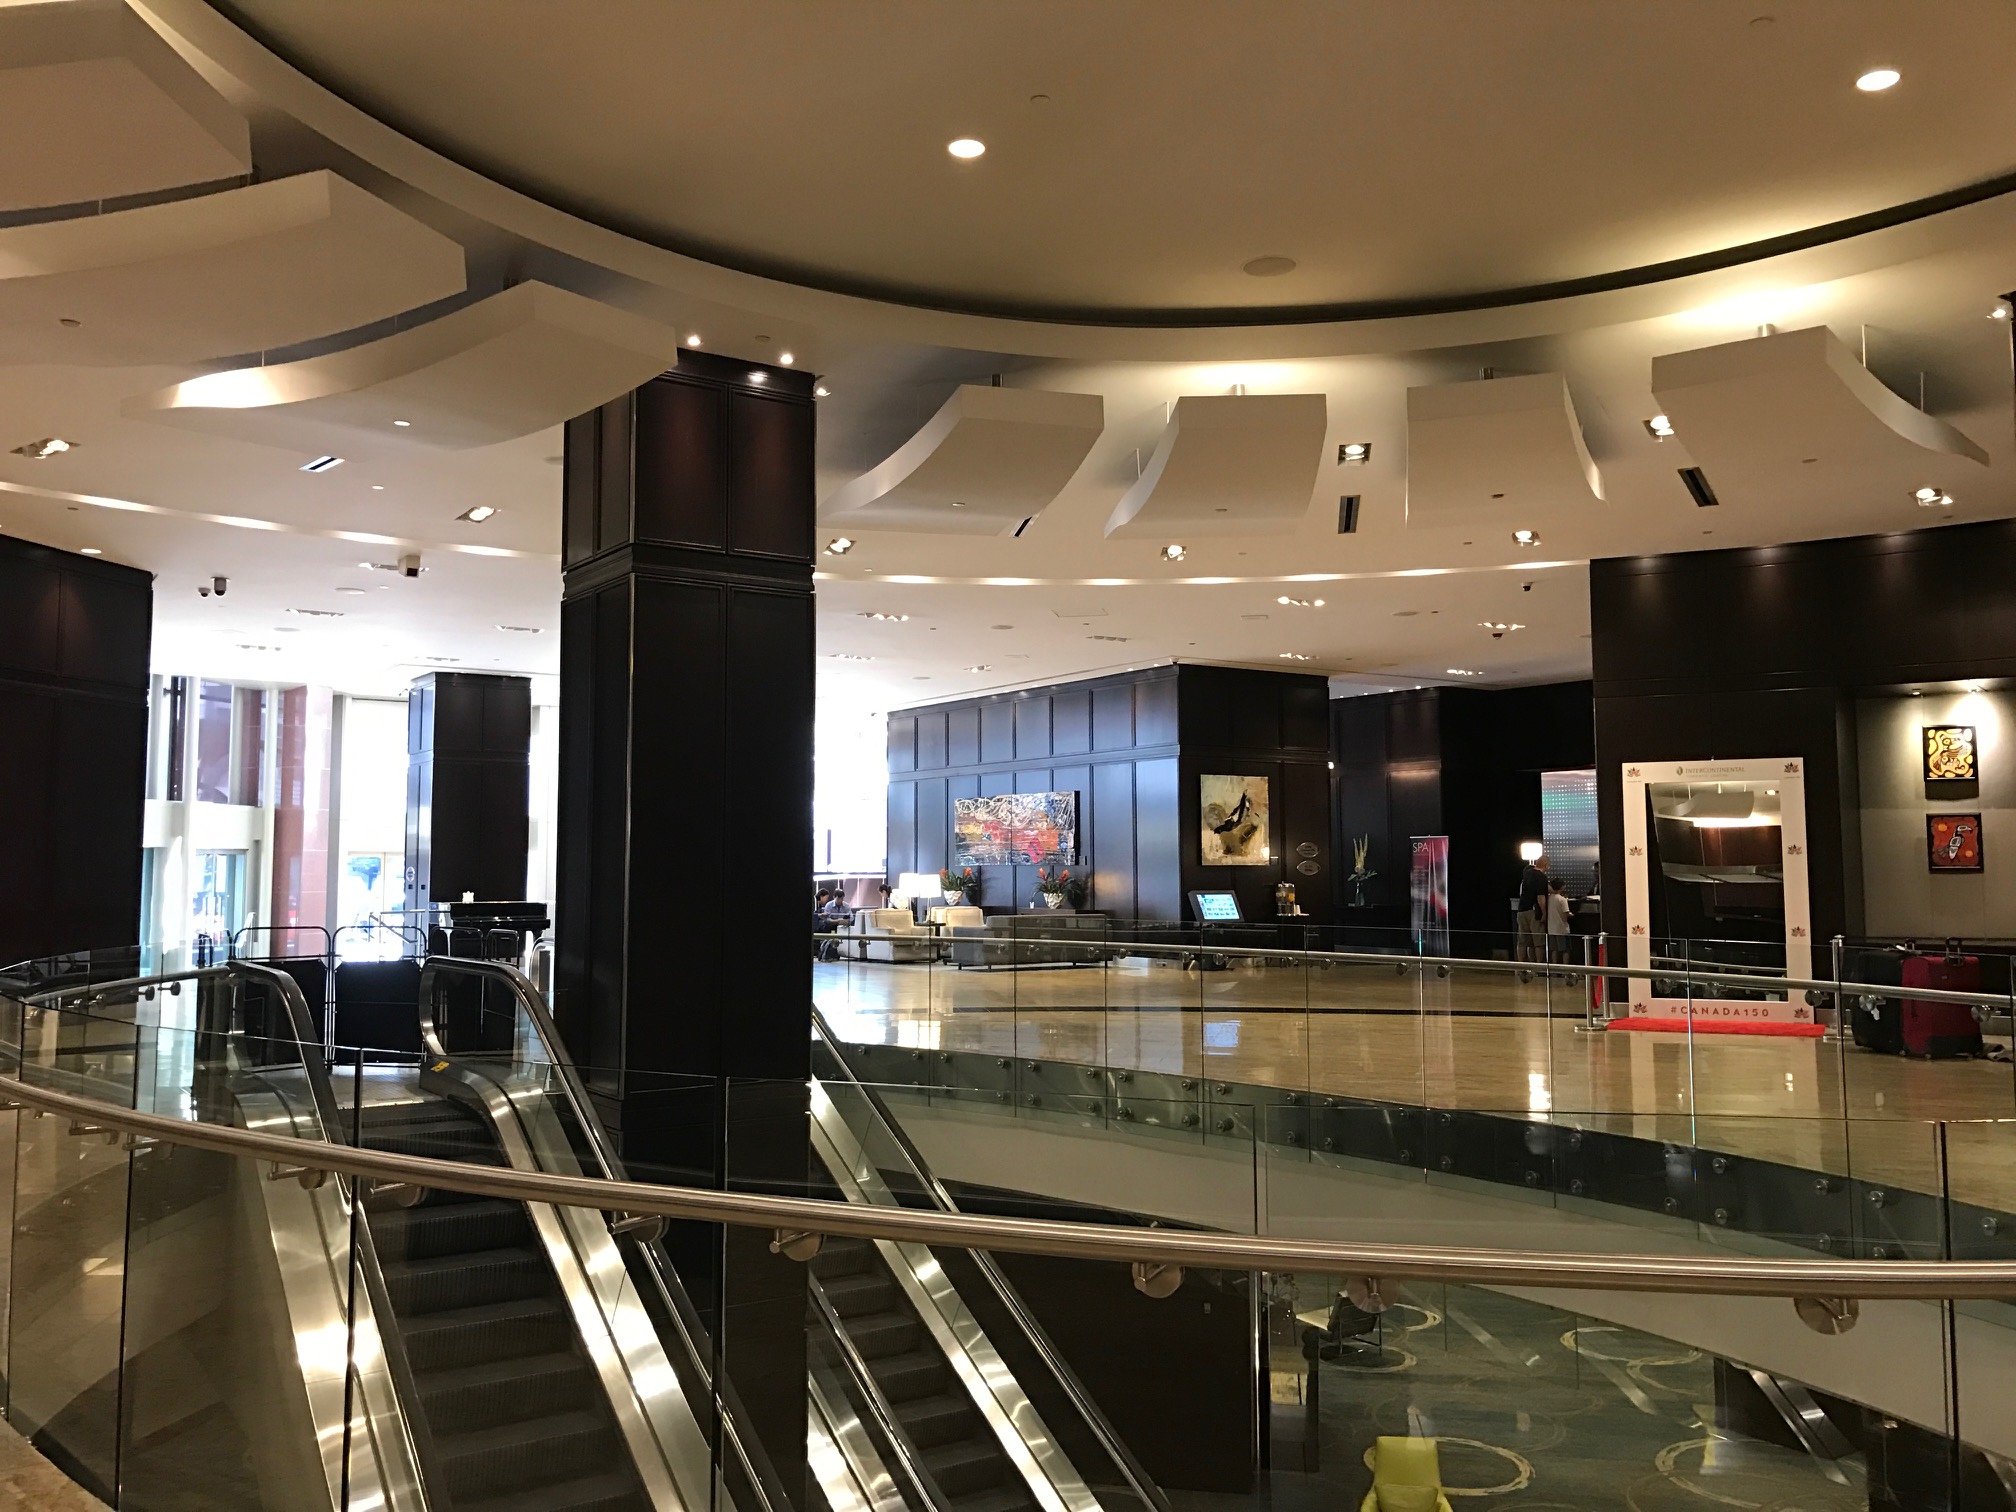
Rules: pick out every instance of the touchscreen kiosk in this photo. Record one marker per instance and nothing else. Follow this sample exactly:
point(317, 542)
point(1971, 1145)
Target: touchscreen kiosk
point(1215, 907)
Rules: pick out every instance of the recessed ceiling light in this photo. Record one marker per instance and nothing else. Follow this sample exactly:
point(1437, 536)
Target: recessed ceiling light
point(92, 551)
point(839, 546)
point(377, 488)
point(442, 659)
point(1117, 639)
point(1523, 537)
point(786, 358)
point(846, 656)
point(321, 464)
point(758, 377)
point(820, 391)
point(1877, 80)
point(1293, 656)
point(1300, 603)
point(2000, 311)
point(402, 422)
point(966, 147)
point(358, 591)
point(249, 646)
point(1932, 498)
point(1660, 427)
point(478, 514)
point(694, 339)
point(318, 613)
point(523, 629)
point(48, 446)
point(1463, 672)
point(1172, 552)
point(877, 614)
point(981, 667)
point(1354, 453)
point(1270, 267)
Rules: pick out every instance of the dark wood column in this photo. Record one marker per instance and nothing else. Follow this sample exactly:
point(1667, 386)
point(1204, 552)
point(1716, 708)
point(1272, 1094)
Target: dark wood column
point(468, 787)
point(682, 969)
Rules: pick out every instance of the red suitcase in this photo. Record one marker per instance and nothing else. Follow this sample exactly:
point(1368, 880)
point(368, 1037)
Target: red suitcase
point(1941, 1029)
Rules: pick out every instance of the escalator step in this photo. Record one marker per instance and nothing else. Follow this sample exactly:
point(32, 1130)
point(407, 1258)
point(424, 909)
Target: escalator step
point(471, 1280)
point(915, 1373)
point(878, 1335)
point(936, 1419)
point(449, 1228)
point(475, 1335)
point(534, 1452)
point(841, 1256)
point(1006, 1499)
point(470, 1146)
point(600, 1493)
point(969, 1464)
point(475, 1397)
point(861, 1292)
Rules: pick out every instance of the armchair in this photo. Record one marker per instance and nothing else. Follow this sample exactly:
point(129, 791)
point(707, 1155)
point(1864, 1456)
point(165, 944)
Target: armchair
point(1406, 1477)
point(958, 916)
point(918, 946)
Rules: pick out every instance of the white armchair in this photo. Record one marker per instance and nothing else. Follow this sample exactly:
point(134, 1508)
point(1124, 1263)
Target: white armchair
point(958, 916)
point(914, 942)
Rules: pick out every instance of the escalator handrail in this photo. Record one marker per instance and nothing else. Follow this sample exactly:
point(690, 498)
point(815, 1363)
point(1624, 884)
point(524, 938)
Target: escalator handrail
point(921, 1480)
point(1138, 1479)
point(1721, 1274)
point(405, 1384)
point(762, 1478)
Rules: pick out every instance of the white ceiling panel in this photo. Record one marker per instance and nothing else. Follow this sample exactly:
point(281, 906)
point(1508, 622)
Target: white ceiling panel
point(1228, 464)
point(1496, 449)
point(1794, 422)
point(988, 460)
point(238, 271)
point(520, 361)
point(94, 105)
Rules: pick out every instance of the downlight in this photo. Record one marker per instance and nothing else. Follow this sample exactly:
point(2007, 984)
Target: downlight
point(839, 546)
point(1299, 603)
point(1354, 453)
point(48, 446)
point(966, 148)
point(1172, 552)
point(478, 514)
point(1293, 656)
point(1526, 537)
point(1660, 428)
point(877, 614)
point(1877, 80)
point(1932, 498)
point(1698, 487)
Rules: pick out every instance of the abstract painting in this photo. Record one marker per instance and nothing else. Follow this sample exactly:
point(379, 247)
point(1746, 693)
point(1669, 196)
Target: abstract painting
point(1949, 753)
point(1015, 829)
point(1953, 842)
point(1232, 821)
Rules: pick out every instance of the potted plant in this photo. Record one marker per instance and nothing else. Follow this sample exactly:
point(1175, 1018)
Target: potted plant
point(961, 885)
point(1059, 887)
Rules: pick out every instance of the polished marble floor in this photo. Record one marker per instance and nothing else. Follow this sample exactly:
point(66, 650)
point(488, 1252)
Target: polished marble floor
point(1483, 1040)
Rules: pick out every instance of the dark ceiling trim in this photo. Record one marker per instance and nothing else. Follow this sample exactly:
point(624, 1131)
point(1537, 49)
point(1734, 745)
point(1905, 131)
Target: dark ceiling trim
point(1159, 318)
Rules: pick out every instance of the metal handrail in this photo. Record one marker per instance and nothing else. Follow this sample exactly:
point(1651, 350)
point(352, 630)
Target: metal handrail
point(1137, 1477)
point(672, 1296)
point(922, 1483)
point(1731, 976)
point(1726, 1275)
point(405, 1383)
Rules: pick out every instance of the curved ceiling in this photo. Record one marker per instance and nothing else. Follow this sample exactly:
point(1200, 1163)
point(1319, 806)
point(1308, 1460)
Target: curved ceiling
point(1141, 153)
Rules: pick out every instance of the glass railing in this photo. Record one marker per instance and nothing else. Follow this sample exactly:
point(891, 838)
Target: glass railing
point(1505, 1291)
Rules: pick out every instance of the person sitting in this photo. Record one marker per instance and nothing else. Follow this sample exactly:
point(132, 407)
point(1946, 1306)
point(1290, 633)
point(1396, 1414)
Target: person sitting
point(829, 917)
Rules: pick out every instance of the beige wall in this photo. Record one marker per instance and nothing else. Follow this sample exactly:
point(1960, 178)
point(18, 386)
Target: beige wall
point(1900, 897)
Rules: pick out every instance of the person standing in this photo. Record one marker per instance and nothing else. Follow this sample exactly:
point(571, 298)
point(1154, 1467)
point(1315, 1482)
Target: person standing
point(1532, 917)
point(1558, 926)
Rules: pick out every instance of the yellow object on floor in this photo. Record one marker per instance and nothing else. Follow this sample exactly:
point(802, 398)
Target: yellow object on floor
point(1406, 1477)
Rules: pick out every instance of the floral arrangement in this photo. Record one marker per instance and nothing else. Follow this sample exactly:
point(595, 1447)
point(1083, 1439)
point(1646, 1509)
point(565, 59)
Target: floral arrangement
point(965, 881)
point(1056, 882)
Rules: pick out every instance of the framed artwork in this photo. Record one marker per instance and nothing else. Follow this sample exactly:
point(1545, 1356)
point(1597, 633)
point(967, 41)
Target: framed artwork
point(1953, 842)
point(1015, 829)
point(1232, 818)
point(1949, 753)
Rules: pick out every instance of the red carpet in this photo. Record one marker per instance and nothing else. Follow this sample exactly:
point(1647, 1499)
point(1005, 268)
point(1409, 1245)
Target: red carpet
point(1722, 1026)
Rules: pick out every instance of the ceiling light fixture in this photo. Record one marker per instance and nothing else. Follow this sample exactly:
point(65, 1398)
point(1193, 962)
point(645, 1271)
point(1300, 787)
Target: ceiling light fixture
point(321, 464)
point(524, 629)
point(1117, 639)
point(48, 446)
point(1525, 538)
point(478, 514)
point(1660, 427)
point(1463, 672)
point(758, 377)
point(1932, 498)
point(1300, 603)
point(693, 340)
point(1499, 627)
point(966, 148)
point(846, 656)
point(981, 667)
point(1172, 553)
point(1270, 267)
point(2001, 310)
point(1354, 453)
point(786, 358)
point(1877, 80)
point(1293, 656)
point(877, 614)
point(839, 546)
point(358, 591)
point(249, 646)
point(402, 423)
point(92, 551)
point(318, 613)
point(820, 391)
point(443, 659)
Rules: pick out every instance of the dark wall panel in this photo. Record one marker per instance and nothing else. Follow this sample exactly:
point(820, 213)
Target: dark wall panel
point(934, 822)
point(1112, 718)
point(1110, 829)
point(962, 747)
point(1155, 721)
point(902, 828)
point(1032, 727)
point(1158, 882)
point(902, 743)
point(931, 748)
point(1071, 721)
point(997, 732)
point(469, 755)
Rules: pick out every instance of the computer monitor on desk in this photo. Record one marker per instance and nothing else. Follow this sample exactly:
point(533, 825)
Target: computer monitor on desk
point(1215, 907)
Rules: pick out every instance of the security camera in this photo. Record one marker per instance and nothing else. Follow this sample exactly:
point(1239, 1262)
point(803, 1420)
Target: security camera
point(1525, 587)
point(1497, 635)
point(217, 586)
point(410, 564)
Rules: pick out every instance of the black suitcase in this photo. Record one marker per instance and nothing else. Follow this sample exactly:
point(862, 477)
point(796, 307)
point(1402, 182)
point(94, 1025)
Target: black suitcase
point(1876, 1018)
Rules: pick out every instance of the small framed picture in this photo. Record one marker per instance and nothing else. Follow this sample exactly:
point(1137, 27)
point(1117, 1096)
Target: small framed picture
point(1953, 842)
point(1949, 753)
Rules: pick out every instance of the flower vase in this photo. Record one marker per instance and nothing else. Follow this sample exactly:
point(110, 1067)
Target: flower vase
point(953, 897)
point(1053, 900)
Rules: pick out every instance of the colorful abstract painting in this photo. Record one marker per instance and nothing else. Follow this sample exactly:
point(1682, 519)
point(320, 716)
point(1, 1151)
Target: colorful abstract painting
point(1015, 829)
point(1232, 821)
point(1953, 842)
point(1949, 753)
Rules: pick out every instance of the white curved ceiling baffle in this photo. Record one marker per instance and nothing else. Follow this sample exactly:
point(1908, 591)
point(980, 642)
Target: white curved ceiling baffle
point(517, 362)
point(988, 460)
point(1228, 464)
point(1494, 447)
point(1778, 419)
point(237, 271)
point(94, 106)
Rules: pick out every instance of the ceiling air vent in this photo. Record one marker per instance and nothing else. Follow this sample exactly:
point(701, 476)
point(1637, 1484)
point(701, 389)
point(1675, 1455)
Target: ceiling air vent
point(1697, 485)
point(1347, 515)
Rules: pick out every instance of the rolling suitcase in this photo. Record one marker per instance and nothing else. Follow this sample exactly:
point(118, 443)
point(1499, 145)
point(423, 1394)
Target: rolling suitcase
point(1941, 1029)
point(1875, 1018)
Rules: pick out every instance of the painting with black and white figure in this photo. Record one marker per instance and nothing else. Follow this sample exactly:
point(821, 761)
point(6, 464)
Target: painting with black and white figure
point(1233, 815)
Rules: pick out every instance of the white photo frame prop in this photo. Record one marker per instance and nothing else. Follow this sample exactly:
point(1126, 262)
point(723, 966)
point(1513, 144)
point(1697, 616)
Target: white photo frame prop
point(1788, 775)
